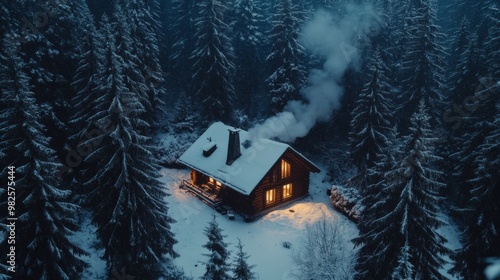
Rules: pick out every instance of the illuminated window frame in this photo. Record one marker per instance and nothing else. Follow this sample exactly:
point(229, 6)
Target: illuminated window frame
point(270, 196)
point(285, 169)
point(215, 183)
point(287, 190)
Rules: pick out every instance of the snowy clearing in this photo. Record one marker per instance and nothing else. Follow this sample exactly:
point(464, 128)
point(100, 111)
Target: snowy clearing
point(262, 239)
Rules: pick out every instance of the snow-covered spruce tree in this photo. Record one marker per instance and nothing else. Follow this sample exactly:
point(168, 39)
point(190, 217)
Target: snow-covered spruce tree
point(84, 83)
point(377, 249)
point(481, 235)
point(492, 44)
point(128, 48)
point(422, 63)
point(477, 179)
point(387, 36)
point(459, 41)
point(156, 12)
point(143, 30)
point(404, 269)
point(464, 67)
point(370, 122)
point(419, 186)
point(50, 47)
point(85, 80)
point(479, 161)
point(5, 17)
point(45, 215)
point(122, 175)
point(285, 61)
point(403, 212)
point(213, 60)
point(183, 13)
point(241, 269)
point(216, 267)
point(463, 80)
point(247, 40)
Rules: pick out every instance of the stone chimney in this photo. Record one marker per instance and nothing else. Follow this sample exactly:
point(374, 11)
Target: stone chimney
point(233, 147)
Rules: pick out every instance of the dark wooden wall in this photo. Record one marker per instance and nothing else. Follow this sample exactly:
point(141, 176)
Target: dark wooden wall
point(299, 179)
point(256, 201)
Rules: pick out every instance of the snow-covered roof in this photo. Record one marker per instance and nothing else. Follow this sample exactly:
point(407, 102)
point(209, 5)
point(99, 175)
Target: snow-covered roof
point(245, 173)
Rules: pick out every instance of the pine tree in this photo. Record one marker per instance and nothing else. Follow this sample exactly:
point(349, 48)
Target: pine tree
point(459, 41)
point(241, 269)
point(404, 270)
point(183, 13)
point(464, 79)
point(85, 79)
point(422, 63)
point(213, 62)
point(481, 236)
point(378, 250)
point(128, 47)
point(285, 61)
point(400, 230)
point(482, 165)
point(479, 163)
point(417, 209)
point(492, 43)
point(144, 28)
point(216, 267)
point(464, 63)
point(5, 16)
point(50, 46)
point(388, 37)
point(370, 122)
point(124, 191)
point(45, 215)
point(247, 42)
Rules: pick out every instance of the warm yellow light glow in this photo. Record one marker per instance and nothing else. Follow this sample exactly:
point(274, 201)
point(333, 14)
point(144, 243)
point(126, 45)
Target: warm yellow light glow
point(285, 169)
point(270, 196)
point(193, 176)
point(214, 183)
point(287, 190)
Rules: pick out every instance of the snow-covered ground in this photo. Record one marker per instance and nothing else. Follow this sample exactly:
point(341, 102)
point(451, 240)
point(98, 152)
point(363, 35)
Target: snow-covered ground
point(450, 232)
point(262, 239)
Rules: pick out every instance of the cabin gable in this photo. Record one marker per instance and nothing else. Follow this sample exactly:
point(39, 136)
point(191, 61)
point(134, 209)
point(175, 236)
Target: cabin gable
point(286, 181)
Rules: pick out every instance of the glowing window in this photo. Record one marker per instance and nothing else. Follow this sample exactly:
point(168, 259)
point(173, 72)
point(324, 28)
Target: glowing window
point(285, 169)
point(218, 185)
point(211, 180)
point(287, 190)
point(270, 196)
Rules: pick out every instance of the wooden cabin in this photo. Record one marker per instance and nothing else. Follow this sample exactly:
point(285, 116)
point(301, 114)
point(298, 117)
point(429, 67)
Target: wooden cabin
point(252, 176)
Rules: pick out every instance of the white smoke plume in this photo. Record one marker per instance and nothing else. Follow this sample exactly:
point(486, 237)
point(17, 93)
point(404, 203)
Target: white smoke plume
point(334, 39)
